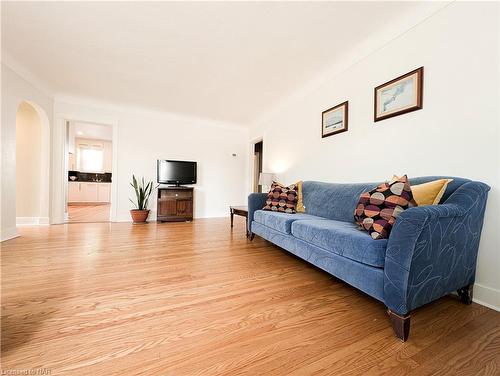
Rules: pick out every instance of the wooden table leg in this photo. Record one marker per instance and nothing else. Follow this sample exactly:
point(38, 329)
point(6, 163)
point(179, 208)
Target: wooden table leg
point(246, 226)
point(232, 217)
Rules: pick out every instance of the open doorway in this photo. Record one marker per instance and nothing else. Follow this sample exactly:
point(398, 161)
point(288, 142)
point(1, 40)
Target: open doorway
point(258, 149)
point(32, 165)
point(89, 171)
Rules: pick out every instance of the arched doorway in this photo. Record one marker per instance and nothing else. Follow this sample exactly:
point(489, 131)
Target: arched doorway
point(32, 165)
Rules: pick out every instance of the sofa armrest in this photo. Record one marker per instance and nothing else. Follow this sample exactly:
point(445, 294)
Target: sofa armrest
point(432, 250)
point(256, 201)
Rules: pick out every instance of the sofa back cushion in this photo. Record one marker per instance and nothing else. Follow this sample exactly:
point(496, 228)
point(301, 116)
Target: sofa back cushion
point(338, 201)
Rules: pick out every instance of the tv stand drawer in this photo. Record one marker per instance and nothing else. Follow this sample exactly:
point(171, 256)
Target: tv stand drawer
point(174, 194)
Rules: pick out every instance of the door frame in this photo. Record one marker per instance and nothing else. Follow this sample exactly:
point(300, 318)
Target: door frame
point(60, 167)
point(251, 168)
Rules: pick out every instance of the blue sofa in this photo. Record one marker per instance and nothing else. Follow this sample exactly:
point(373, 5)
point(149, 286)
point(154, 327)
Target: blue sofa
point(430, 252)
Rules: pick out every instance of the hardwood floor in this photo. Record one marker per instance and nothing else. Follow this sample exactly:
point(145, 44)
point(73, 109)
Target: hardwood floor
point(88, 213)
point(198, 299)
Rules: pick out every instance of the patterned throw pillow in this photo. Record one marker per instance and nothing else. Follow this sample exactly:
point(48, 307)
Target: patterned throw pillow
point(282, 199)
point(378, 209)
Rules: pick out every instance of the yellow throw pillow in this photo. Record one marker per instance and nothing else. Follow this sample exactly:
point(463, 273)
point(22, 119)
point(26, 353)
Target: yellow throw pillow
point(300, 204)
point(430, 193)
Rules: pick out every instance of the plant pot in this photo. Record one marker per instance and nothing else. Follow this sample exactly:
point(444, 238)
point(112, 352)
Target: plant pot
point(139, 216)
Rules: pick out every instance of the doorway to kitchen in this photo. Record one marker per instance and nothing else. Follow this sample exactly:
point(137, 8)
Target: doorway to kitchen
point(89, 171)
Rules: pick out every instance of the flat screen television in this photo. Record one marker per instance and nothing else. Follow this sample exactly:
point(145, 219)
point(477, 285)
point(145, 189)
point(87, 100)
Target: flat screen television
point(176, 172)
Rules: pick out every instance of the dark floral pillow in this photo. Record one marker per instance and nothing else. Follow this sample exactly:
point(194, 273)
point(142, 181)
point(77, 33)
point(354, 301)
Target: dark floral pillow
point(282, 199)
point(378, 209)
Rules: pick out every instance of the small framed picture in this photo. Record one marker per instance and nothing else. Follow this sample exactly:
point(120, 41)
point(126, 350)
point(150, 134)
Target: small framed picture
point(399, 96)
point(335, 120)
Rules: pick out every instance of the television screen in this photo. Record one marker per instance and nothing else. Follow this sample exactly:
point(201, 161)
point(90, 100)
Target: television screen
point(176, 172)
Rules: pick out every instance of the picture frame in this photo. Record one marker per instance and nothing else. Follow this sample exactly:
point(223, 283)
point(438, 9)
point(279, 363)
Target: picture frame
point(399, 96)
point(335, 120)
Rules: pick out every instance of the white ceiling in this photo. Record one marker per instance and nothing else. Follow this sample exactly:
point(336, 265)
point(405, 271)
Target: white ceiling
point(92, 131)
point(229, 61)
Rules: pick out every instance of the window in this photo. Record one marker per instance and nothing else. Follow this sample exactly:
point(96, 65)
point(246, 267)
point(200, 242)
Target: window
point(90, 158)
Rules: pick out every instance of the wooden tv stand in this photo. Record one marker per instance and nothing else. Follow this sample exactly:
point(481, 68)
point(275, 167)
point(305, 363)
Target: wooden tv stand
point(175, 204)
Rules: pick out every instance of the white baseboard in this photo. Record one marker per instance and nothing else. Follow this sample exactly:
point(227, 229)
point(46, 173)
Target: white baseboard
point(32, 221)
point(45, 221)
point(9, 234)
point(122, 220)
point(152, 217)
point(487, 296)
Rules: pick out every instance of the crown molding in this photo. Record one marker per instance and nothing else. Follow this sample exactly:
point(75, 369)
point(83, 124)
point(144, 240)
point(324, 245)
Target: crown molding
point(20, 69)
point(103, 105)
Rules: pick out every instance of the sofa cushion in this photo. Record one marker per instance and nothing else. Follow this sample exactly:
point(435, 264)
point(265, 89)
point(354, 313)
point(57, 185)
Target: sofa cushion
point(280, 221)
point(342, 238)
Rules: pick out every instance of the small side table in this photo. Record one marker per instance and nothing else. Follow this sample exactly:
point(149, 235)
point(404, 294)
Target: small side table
point(239, 210)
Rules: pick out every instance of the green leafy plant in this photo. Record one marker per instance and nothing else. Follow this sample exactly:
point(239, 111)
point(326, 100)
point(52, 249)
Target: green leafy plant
point(142, 193)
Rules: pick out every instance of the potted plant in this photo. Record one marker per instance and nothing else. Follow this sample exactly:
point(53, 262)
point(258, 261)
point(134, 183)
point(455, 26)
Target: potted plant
point(142, 193)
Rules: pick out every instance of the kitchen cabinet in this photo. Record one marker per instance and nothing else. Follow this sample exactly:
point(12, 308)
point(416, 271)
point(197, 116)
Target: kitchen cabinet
point(73, 191)
point(103, 192)
point(89, 192)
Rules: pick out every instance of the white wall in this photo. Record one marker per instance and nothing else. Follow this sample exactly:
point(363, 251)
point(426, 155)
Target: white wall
point(28, 161)
point(145, 136)
point(456, 133)
point(14, 91)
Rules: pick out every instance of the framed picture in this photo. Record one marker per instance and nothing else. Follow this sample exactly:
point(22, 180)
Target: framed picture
point(334, 120)
point(399, 96)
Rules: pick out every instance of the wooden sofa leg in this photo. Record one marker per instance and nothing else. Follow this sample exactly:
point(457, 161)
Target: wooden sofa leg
point(400, 325)
point(465, 294)
point(252, 235)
